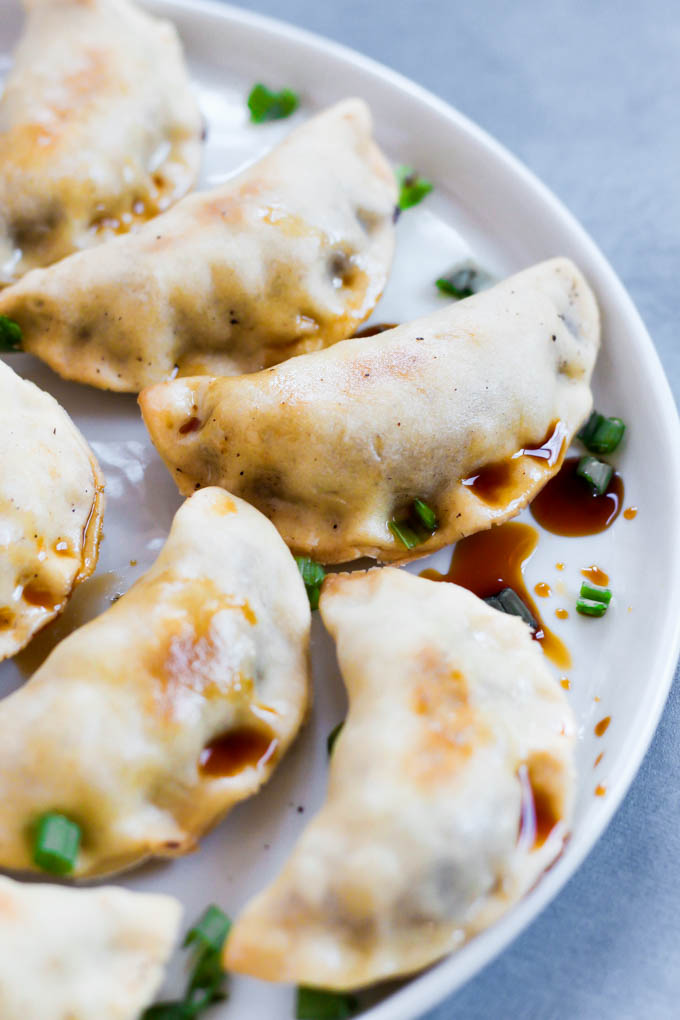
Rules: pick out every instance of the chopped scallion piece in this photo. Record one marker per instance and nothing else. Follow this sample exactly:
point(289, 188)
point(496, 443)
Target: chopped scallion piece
point(207, 981)
point(10, 334)
point(168, 1011)
point(589, 607)
point(600, 434)
point(210, 930)
point(267, 105)
point(596, 472)
point(313, 575)
point(333, 736)
point(508, 601)
point(425, 514)
point(317, 1004)
point(57, 840)
point(404, 534)
point(464, 281)
point(590, 591)
point(450, 287)
point(412, 187)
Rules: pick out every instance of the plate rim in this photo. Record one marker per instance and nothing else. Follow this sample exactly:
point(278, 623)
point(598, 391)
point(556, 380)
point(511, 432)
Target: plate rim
point(428, 989)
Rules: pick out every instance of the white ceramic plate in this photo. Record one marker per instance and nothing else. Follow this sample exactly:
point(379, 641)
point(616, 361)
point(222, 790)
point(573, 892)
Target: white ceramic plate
point(487, 204)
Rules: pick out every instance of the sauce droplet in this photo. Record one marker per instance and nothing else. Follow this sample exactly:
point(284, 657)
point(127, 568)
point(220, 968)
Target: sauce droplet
point(378, 327)
point(559, 566)
point(538, 816)
point(596, 575)
point(565, 682)
point(562, 614)
point(542, 589)
point(598, 759)
point(600, 790)
point(237, 750)
point(601, 727)
point(566, 505)
point(191, 425)
point(491, 560)
point(630, 512)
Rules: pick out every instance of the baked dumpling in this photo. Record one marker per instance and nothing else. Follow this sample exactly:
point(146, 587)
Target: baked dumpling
point(51, 509)
point(449, 793)
point(149, 723)
point(287, 257)
point(470, 409)
point(81, 954)
point(99, 129)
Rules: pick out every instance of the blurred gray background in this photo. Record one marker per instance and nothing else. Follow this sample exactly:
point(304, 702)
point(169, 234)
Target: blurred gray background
point(587, 94)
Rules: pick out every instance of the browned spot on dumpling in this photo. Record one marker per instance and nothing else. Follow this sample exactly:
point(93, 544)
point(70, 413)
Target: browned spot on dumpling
point(450, 726)
point(7, 617)
point(188, 656)
point(222, 507)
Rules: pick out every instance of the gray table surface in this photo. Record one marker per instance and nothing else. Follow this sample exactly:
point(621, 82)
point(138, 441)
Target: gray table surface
point(586, 93)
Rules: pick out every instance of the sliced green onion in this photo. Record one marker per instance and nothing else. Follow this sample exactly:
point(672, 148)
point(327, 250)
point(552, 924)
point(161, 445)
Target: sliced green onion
point(168, 1011)
point(508, 601)
point(333, 736)
point(590, 591)
point(596, 473)
point(600, 434)
point(313, 575)
point(404, 534)
point(412, 187)
point(267, 105)
point(464, 281)
point(206, 983)
point(317, 1004)
point(10, 334)
point(57, 841)
point(210, 930)
point(589, 607)
point(451, 289)
point(425, 515)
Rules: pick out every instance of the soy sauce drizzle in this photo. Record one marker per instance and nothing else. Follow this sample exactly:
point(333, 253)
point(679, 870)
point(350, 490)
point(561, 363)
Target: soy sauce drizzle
point(492, 560)
point(537, 815)
point(567, 506)
point(239, 749)
point(494, 483)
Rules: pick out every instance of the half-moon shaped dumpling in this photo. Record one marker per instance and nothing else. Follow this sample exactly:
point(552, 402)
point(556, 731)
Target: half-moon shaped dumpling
point(99, 129)
point(149, 723)
point(470, 410)
point(81, 954)
point(449, 792)
point(51, 510)
point(287, 257)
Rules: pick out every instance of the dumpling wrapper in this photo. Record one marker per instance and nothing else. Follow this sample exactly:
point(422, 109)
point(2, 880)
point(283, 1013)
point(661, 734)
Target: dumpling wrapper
point(51, 510)
point(99, 129)
point(429, 831)
point(149, 723)
point(333, 445)
point(287, 257)
point(81, 954)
